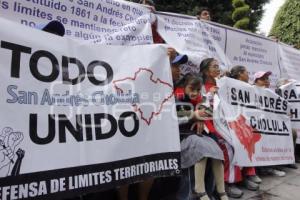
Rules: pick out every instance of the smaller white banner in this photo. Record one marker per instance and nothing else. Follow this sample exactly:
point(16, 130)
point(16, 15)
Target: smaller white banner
point(291, 92)
point(195, 38)
point(258, 123)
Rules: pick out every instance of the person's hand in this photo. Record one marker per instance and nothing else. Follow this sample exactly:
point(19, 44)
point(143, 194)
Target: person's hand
point(198, 127)
point(171, 53)
point(200, 114)
point(213, 89)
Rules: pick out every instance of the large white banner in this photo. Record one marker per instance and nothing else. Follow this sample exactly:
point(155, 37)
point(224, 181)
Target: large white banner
point(80, 118)
point(257, 123)
point(289, 61)
point(98, 21)
point(197, 39)
point(255, 53)
point(291, 92)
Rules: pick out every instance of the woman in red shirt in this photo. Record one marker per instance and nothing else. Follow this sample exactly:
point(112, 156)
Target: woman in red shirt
point(210, 72)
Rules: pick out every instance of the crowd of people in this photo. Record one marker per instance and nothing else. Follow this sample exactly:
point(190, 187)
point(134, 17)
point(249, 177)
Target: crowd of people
point(208, 171)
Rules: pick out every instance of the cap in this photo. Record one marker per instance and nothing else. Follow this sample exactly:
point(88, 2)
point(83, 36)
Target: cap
point(54, 27)
point(180, 59)
point(260, 74)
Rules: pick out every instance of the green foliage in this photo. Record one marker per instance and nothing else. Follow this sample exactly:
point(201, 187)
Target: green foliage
point(240, 14)
point(256, 13)
point(286, 26)
point(221, 9)
point(242, 23)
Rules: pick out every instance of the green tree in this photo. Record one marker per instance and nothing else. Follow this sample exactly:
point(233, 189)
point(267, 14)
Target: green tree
point(286, 26)
point(221, 9)
point(240, 14)
point(256, 13)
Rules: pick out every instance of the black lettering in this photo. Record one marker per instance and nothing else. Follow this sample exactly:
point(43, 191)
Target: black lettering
point(34, 66)
point(266, 100)
point(253, 122)
point(65, 124)
point(284, 127)
point(293, 95)
point(98, 128)
point(294, 113)
point(90, 72)
point(122, 124)
point(278, 104)
point(65, 70)
point(88, 127)
point(33, 130)
point(285, 105)
point(233, 94)
point(272, 101)
point(16, 56)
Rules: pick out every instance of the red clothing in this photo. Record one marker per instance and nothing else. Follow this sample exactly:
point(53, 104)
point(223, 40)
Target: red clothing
point(208, 85)
point(157, 39)
point(232, 173)
point(179, 94)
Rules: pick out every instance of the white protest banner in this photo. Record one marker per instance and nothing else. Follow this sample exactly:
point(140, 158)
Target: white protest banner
point(99, 21)
point(291, 92)
point(80, 118)
point(289, 61)
point(197, 39)
point(253, 52)
point(259, 124)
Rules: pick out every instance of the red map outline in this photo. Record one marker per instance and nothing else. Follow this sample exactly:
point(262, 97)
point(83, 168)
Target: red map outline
point(148, 121)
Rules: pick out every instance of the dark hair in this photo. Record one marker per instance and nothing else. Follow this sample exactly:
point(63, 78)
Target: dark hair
point(191, 79)
point(203, 9)
point(204, 66)
point(148, 2)
point(236, 71)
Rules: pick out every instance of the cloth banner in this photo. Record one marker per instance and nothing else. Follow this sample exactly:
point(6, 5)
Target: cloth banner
point(82, 118)
point(99, 21)
point(195, 38)
point(289, 62)
point(291, 92)
point(257, 122)
point(201, 39)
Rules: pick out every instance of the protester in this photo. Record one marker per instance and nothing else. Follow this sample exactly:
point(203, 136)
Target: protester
point(261, 79)
point(196, 145)
point(281, 82)
point(204, 13)
point(157, 39)
point(251, 180)
point(175, 67)
point(210, 71)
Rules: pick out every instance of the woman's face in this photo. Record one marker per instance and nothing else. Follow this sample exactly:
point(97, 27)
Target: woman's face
point(192, 91)
point(244, 76)
point(213, 70)
point(175, 69)
point(263, 82)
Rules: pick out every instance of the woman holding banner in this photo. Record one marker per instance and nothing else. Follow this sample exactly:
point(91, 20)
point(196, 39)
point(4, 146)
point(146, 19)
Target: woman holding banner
point(251, 180)
point(261, 79)
point(210, 71)
point(195, 147)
